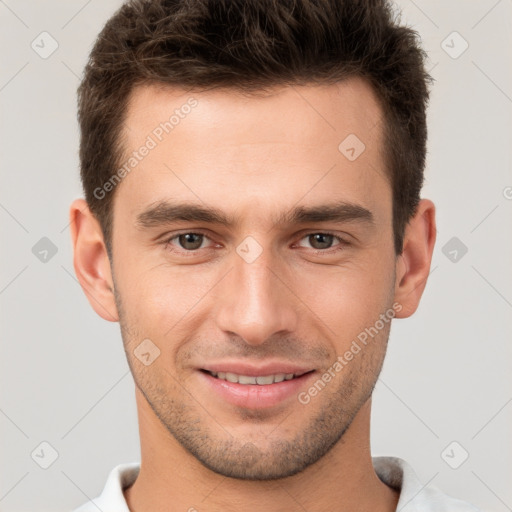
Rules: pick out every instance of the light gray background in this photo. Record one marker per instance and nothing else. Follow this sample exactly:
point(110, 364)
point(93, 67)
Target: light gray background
point(64, 377)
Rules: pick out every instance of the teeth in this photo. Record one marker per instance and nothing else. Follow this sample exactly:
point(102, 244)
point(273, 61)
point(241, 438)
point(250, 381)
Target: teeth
point(244, 379)
point(268, 379)
point(262, 380)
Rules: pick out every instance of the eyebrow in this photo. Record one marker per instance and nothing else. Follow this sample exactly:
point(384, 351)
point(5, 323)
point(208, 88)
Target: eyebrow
point(166, 212)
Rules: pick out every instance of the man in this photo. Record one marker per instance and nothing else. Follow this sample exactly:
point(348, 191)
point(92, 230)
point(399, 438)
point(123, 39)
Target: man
point(252, 219)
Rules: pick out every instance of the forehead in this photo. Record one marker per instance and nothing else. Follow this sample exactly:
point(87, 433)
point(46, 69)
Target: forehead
point(228, 149)
point(303, 111)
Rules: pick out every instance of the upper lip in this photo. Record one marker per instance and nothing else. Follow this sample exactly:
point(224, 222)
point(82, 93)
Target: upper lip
point(253, 370)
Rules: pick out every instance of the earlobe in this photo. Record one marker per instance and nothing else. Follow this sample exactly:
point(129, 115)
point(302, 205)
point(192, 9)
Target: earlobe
point(90, 260)
point(413, 265)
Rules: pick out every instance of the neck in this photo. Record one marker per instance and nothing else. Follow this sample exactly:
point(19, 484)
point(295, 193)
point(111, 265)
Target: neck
point(171, 479)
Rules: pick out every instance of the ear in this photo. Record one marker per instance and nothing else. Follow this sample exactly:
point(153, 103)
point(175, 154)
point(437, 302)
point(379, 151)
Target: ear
point(413, 265)
point(91, 263)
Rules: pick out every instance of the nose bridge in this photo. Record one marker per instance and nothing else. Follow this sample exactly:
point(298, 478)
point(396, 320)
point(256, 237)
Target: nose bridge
point(255, 303)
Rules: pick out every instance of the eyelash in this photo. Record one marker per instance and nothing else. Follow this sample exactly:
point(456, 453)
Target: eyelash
point(340, 247)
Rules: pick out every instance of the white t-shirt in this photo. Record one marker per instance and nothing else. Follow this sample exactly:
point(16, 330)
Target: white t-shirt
point(395, 472)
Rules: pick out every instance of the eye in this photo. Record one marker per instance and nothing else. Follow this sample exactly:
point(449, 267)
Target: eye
point(322, 242)
point(187, 242)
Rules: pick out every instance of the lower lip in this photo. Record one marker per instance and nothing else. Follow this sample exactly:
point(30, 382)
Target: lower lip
point(255, 396)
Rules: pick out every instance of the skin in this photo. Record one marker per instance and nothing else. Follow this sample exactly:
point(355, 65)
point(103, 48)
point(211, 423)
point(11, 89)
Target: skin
point(255, 158)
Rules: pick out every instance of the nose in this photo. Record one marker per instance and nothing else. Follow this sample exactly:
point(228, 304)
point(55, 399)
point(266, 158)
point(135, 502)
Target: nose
point(255, 300)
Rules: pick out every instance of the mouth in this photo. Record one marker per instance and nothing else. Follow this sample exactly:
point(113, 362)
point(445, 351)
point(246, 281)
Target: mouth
point(256, 388)
point(260, 380)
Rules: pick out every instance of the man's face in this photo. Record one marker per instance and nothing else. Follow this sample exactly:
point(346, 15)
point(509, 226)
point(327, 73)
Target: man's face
point(270, 293)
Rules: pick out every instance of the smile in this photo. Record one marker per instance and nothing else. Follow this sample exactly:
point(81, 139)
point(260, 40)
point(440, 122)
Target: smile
point(262, 389)
point(261, 380)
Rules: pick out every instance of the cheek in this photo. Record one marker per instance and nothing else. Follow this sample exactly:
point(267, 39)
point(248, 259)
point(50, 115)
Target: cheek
point(349, 298)
point(162, 301)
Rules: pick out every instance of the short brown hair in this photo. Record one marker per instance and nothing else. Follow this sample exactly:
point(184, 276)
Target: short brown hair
point(252, 45)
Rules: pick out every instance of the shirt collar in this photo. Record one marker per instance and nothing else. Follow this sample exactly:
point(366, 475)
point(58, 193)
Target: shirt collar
point(393, 471)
